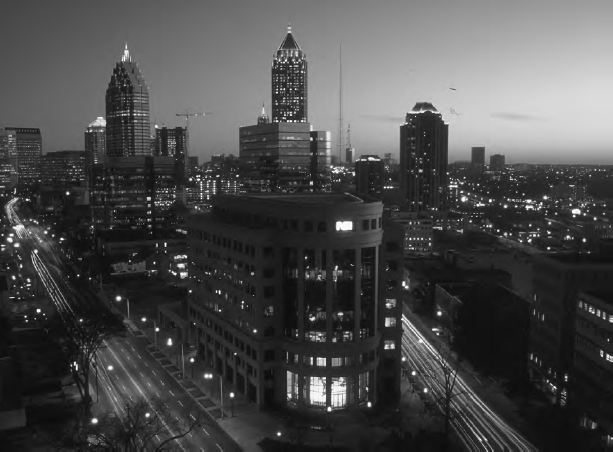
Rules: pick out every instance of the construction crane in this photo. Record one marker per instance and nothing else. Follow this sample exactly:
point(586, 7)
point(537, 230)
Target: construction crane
point(188, 114)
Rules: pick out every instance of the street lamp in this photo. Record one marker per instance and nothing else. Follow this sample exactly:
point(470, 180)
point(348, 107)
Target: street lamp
point(232, 404)
point(278, 433)
point(109, 368)
point(209, 376)
point(191, 361)
point(94, 420)
point(118, 299)
point(155, 331)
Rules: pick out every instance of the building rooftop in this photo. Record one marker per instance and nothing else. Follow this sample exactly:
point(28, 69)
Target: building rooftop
point(99, 122)
point(580, 258)
point(604, 295)
point(289, 43)
point(421, 107)
point(313, 198)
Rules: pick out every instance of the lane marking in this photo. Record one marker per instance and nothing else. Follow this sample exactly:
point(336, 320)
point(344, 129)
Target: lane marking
point(153, 372)
point(180, 402)
point(219, 447)
point(142, 376)
point(205, 431)
point(140, 357)
point(157, 394)
point(171, 393)
point(149, 384)
point(147, 365)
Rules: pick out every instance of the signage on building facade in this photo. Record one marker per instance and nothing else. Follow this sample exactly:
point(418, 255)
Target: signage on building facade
point(129, 267)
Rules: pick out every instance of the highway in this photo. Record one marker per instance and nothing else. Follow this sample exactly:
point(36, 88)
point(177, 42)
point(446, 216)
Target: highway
point(476, 425)
point(126, 370)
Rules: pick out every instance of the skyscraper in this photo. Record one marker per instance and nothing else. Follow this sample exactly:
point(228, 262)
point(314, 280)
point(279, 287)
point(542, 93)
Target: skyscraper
point(289, 82)
point(369, 176)
point(95, 142)
point(173, 143)
point(25, 150)
point(423, 159)
point(127, 111)
point(497, 162)
point(477, 161)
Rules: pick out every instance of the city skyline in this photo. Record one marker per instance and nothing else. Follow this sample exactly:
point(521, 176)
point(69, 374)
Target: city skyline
point(516, 93)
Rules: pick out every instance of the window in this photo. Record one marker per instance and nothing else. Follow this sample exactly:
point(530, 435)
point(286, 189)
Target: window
point(292, 386)
point(344, 225)
point(317, 391)
point(338, 362)
point(390, 303)
point(373, 223)
point(338, 392)
point(308, 226)
point(390, 321)
point(321, 226)
point(389, 345)
point(321, 362)
point(269, 355)
point(365, 225)
point(269, 311)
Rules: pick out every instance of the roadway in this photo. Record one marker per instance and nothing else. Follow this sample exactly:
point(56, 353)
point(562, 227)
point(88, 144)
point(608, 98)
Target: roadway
point(135, 373)
point(477, 426)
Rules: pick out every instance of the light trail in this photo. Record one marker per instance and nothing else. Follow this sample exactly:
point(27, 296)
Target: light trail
point(477, 426)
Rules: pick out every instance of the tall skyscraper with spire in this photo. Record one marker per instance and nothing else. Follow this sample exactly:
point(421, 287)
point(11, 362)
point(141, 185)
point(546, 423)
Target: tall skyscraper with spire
point(127, 111)
point(289, 82)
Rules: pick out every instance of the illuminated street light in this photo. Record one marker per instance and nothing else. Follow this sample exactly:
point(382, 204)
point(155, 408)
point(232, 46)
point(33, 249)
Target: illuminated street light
point(413, 373)
point(118, 298)
point(425, 390)
point(439, 313)
point(110, 368)
point(147, 415)
point(232, 404)
point(369, 405)
point(278, 433)
point(169, 342)
point(94, 420)
point(144, 319)
point(329, 409)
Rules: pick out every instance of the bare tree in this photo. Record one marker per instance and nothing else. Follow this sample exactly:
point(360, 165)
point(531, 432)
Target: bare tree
point(80, 340)
point(445, 376)
point(140, 426)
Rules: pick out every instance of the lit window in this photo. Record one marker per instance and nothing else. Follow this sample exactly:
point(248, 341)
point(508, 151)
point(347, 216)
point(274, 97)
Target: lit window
point(390, 303)
point(390, 321)
point(389, 345)
point(344, 225)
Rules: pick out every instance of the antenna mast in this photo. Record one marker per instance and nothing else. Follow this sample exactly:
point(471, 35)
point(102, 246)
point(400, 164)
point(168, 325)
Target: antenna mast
point(340, 106)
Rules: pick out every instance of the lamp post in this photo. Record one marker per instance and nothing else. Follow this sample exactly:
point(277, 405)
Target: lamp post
point(155, 331)
point(96, 365)
point(191, 361)
point(209, 376)
point(118, 299)
point(232, 404)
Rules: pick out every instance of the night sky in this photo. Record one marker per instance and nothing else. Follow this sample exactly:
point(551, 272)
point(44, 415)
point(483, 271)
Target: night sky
point(534, 78)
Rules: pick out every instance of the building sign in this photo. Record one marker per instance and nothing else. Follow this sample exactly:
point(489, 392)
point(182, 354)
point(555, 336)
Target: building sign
point(122, 268)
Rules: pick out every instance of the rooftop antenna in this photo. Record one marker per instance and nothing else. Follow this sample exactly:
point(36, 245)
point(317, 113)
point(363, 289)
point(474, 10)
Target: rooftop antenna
point(348, 136)
point(340, 105)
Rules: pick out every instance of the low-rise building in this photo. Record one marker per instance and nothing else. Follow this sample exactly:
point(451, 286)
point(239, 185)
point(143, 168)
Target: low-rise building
point(417, 232)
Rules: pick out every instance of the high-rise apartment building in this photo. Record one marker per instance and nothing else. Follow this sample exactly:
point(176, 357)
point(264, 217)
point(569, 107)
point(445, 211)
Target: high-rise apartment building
point(423, 160)
point(95, 142)
point(6, 168)
point(370, 176)
point(497, 162)
point(295, 299)
point(26, 145)
point(127, 111)
point(63, 168)
point(289, 82)
point(477, 161)
point(172, 142)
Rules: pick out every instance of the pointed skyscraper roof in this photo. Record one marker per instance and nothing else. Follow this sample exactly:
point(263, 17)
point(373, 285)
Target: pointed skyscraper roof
point(263, 110)
point(289, 43)
point(126, 54)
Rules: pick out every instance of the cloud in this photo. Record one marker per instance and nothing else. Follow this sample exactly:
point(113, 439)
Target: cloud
point(510, 116)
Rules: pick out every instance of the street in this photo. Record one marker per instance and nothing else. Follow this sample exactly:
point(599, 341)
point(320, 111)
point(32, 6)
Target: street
point(476, 425)
point(135, 373)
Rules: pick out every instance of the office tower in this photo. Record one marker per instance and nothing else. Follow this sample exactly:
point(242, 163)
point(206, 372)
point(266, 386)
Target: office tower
point(27, 146)
point(321, 154)
point(133, 193)
point(349, 156)
point(593, 352)
point(557, 278)
point(276, 157)
point(418, 232)
point(173, 143)
point(369, 176)
point(6, 168)
point(192, 165)
point(423, 160)
point(477, 161)
point(497, 162)
point(289, 82)
point(312, 286)
point(62, 168)
point(95, 141)
point(127, 111)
